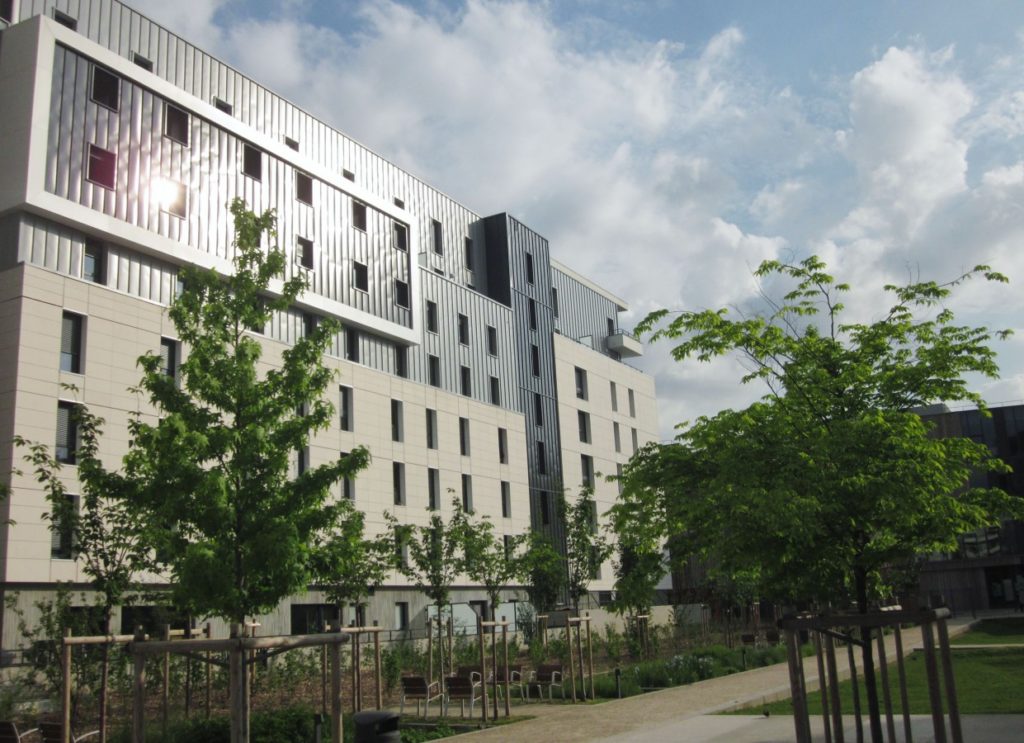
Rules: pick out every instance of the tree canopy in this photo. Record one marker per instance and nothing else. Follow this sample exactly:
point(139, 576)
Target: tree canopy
point(831, 478)
point(215, 475)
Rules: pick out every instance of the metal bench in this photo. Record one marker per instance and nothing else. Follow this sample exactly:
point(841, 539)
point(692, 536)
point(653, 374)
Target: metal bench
point(416, 688)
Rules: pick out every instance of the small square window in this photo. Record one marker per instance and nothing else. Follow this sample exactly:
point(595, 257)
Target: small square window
point(360, 276)
point(252, 162)
point(463, 330)
point(292, 144)
point(65, 20)
point(469, 253)
point(492, 340)
point(348, 175)
point(304, 248)
point(438, 236)
point(434, 371)
point(143, 62)
point(401, 293)
point(431, 317)
point(106, 88)
point(171, 196)
point(176, 124)
point(304, 188)
point(223, 106)
point(359, 215)
point(465, 381)
point(102, 167)
point(401, 236)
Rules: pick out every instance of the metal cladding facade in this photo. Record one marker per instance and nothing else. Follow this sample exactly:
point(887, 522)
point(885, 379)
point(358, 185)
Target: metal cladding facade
point(124, 145)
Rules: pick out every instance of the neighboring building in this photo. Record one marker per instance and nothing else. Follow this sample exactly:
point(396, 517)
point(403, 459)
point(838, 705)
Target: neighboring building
point(982, 571)
point(469, 360)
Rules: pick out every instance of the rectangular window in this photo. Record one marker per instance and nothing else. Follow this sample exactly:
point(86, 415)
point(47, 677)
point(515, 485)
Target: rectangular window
point(172, 197)
point(62, 535)
point(304, 188)
point(304, 248)
point(106, 88)
point(635, 444)
point(65, 20)
point(169, 357)
point(545, 509)
point(529, 268)
point(360, 276)
point(352, 344)
point(532, 308)
point(538, 410)
point(67, 432)
point(611, 326)
point(502, 446)
point(431, 428)
point(176, 124)
point(223, 106)
point(402, 362)
point(93, 263)
point(431, 317)
point(401, 550)
point(467, 493)
point(615, 396)
point(348, 484)
point(310, 322)
point(252, 162)
point(617, 436)
point(437, 237)
point(433, 489)
point(584, 426)
point(345, 408)
point(632, 404)
point(102, 167)
point(542, 458)
point(587, 470)
point(495, 391)
point(401, 293)
point(71, 343)
point(434, 371)
point(398, 482)
point(399, 202)
point(397, 424)
point(618, 476)
point(581, 383)
point(469, 253)
point(554, 300)
point(292, 144)
point(535, 359)
point(463, 330)
point(359, 216)
point(401, 615)
point(348, 175)
point(492, 341)
point(465, 381)
point(464, 436)
point(307, 619)
point(506, 500)
point(302, 460)
point(401, 236)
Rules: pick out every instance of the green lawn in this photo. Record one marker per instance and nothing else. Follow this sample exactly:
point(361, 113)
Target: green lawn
point(987, 682)
point(994, 632)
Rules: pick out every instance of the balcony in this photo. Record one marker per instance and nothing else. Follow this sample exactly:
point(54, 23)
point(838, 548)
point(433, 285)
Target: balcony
point(624, 344)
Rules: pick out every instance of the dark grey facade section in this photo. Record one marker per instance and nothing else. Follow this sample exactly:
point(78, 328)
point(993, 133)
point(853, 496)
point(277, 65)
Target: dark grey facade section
point(584, 315)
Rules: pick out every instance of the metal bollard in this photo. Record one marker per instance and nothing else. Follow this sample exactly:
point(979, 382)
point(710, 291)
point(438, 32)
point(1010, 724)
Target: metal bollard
point(618, 682)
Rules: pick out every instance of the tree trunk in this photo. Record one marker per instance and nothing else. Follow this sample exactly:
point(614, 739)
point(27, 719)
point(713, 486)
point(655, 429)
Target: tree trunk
point(104, 675)
point(871, 689)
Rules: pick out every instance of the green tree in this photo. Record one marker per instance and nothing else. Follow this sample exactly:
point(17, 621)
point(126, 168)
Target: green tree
point(544, 572)
point(348, 566)
point(214, 473)
point(492, 562)
point(828, 479)
point(585, 547)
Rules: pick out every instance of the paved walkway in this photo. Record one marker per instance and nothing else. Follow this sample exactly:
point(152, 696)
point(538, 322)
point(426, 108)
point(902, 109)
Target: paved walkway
point(688, 712)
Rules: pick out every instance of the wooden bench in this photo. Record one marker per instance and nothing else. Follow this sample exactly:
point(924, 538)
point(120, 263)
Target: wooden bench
point(416, 688)
point(9, 732)
point(549, 675)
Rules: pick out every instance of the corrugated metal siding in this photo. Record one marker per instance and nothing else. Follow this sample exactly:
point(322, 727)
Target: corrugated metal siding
point(582, 312)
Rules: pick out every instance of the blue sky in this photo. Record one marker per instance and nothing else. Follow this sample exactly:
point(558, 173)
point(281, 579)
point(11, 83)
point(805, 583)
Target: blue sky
point(666, 148)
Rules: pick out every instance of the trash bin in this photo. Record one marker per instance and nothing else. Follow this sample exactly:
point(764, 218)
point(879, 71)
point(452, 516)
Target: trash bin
point(376, 727)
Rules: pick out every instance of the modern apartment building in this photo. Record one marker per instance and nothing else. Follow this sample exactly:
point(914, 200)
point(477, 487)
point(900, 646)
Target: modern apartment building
point(470, 362)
